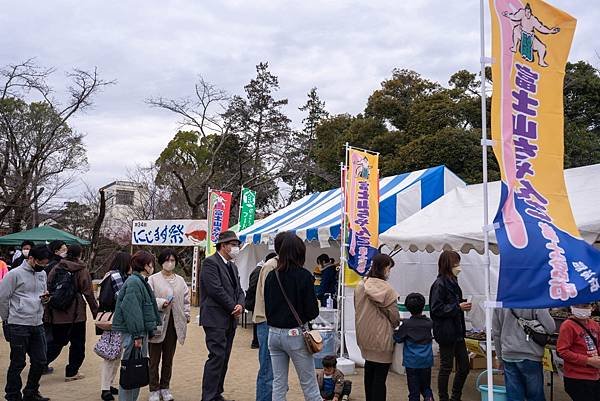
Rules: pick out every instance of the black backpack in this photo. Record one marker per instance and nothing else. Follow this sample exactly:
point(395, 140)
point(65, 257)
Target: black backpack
point(62, 289)
point(106, 299)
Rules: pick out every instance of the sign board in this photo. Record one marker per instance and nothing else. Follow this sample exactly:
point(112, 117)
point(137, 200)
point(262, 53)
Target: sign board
point(169, 232)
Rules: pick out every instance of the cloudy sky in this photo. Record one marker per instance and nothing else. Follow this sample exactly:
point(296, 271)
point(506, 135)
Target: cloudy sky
point(344, 48)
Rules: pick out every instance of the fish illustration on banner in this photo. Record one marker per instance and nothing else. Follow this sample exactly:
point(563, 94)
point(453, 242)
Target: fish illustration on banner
point(247, 208)
point(544, 262)
point(362, 208)
point(219, 205)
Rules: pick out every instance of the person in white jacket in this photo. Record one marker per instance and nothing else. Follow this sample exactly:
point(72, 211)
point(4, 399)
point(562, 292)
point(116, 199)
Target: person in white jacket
point(173, 300)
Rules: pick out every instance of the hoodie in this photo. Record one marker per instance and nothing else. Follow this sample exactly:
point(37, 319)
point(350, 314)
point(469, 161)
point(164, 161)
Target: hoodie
point(20, 293)
point(76, 312)
point(376, 318)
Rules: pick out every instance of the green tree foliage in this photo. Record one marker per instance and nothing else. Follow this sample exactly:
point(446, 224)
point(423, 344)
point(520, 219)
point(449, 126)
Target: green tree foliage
point(301, 167)
point(259, 120)
point(415, 123)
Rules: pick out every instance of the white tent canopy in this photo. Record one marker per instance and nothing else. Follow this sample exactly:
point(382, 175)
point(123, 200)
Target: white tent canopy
point(455, 220)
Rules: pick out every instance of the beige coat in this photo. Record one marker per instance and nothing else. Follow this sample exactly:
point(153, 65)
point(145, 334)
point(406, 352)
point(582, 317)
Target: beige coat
point(376, 318)
point(260, 315)
point(179, 307)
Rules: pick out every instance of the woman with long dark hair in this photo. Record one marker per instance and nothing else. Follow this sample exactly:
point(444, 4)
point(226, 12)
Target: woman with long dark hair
point(292, 281)
point(109, 290)
point(448, 314)
point(375, 304)
point(136, 314)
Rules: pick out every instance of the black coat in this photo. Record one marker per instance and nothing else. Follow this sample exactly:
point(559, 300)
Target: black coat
point(448, 319)
point(219, 294)
point(252, 283)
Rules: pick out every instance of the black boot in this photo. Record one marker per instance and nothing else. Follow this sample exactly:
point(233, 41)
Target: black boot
point(107, 395)
point(35, 397)
point(114, 391)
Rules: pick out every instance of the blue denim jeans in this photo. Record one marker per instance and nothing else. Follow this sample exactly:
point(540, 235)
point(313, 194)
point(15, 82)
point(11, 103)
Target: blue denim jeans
point(264, 379)
point(524, 381)
point(131, 395)
point(284, 347)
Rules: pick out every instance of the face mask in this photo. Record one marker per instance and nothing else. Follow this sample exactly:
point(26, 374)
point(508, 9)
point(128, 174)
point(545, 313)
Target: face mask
point(168, 266)
point(581, 313)
point(25, 252)
point(456, 271)
point(62, 255)
point(235, 251)
point(38, 268)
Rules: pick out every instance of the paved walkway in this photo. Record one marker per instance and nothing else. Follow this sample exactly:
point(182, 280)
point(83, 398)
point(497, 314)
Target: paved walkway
point(187, 375)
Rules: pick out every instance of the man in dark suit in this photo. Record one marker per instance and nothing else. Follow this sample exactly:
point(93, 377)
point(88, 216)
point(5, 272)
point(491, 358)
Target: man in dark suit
point(221, 303)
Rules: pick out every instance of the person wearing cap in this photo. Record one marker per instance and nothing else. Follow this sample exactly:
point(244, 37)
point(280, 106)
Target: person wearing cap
point(221, 304)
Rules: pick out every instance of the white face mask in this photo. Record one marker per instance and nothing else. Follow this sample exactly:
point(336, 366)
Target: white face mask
point(25, 252)
point(63, 254)
point(456, 271)
point(581, 313)
point(168, 266)
point(235, 251)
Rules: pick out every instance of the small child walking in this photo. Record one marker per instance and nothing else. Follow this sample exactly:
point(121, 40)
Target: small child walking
point(331, 381)
point(415, 333)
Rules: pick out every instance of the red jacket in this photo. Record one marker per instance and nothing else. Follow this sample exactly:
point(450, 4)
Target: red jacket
point(575, 346)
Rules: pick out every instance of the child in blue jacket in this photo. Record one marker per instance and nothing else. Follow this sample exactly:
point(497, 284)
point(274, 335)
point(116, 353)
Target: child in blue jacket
point(415, 333)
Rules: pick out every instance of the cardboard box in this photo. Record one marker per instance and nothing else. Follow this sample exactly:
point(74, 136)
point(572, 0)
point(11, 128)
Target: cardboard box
point(477, 362)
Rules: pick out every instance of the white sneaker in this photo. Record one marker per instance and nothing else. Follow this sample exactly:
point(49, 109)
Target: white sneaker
point(166, 395)
point(154, 396)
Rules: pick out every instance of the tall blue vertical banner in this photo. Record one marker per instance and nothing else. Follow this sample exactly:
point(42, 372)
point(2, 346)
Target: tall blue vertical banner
point(544, 262)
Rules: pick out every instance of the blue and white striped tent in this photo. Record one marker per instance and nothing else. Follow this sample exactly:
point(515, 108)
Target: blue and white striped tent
point(317, 217)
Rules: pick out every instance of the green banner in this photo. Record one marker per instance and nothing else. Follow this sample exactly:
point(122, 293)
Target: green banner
point(247, 208)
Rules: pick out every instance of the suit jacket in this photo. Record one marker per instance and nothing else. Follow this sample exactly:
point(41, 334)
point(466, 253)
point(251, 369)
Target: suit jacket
point(218, 294)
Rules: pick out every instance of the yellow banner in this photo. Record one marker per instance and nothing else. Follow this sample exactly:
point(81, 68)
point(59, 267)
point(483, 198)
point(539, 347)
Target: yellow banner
point(543, 260)
point(362, 209)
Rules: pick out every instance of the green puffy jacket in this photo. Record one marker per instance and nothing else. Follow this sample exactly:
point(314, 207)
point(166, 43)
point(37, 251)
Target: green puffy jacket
point(136, 312)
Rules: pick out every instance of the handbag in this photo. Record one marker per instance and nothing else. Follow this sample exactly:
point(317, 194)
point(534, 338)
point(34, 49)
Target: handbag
point(104, 321)
point(312, 338)
point(533, 330)
point(109, 345)
point(134, 371)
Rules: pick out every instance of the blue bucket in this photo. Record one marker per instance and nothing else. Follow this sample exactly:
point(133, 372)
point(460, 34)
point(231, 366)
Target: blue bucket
point(499, 391)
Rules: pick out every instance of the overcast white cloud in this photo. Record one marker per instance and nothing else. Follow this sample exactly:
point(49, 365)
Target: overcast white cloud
point(344, 48)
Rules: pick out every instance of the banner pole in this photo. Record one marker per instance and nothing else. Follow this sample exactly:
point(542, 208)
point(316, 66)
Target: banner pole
point(342, 301)
point(486, 239)
point(240, 208)
point(208, 223)
point(340, 289)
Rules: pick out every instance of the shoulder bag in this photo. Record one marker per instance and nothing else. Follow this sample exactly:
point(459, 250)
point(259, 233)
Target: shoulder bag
point(533, 330)
point(109, 345)
point(104, 320)
point(588, 332)
point(312, 338)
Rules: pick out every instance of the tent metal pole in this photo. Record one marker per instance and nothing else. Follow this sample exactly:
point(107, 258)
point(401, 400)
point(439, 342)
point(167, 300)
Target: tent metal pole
point(343, 263)
point(340, 289)
point(486, 239)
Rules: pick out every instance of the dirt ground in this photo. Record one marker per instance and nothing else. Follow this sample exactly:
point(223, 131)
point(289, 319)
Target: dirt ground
point(187, 375)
